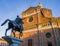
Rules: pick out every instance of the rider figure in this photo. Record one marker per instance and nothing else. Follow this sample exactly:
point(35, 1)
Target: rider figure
point(18, 20)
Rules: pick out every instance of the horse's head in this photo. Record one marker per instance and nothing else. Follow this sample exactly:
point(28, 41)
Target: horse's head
point(5, 22)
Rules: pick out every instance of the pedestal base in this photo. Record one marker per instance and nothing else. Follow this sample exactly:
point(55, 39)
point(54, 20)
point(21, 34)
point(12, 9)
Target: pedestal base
point(12, 41)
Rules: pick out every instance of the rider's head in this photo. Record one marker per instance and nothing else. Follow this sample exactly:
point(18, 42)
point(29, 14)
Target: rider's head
point(17, 16)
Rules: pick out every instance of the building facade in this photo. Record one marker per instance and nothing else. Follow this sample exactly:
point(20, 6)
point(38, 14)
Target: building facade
point(40, 27)
point(3, 42)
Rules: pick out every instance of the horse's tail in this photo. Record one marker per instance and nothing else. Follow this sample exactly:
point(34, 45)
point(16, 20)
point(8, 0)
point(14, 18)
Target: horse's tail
point(5, 22)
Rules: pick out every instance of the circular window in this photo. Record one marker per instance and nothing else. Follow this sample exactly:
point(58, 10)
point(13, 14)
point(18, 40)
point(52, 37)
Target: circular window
point(48, 35)
point(30, 19)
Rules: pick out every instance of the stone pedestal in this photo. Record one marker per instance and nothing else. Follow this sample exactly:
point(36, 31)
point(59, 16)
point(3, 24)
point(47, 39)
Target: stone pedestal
point(12, 41)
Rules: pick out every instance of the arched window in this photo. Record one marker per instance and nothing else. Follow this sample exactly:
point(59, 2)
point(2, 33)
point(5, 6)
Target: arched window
point(49, 43)
point(30, 42)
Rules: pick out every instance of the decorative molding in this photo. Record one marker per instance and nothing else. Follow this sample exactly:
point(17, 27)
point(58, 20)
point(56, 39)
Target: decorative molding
point(31, 14)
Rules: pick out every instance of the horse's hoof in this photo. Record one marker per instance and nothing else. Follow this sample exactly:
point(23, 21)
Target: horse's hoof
point(19, 38)
point(5, 35)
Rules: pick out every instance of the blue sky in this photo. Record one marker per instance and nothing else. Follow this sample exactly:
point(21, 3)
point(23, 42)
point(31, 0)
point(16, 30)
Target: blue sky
point(11, 8)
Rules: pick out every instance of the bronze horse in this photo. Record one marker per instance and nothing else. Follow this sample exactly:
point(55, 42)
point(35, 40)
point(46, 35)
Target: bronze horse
point(16, 25)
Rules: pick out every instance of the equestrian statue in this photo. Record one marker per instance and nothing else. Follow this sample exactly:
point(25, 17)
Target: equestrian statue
point(16, 25)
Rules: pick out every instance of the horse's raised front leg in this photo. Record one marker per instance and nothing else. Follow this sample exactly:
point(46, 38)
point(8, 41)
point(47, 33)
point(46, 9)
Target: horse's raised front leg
point(6, 31)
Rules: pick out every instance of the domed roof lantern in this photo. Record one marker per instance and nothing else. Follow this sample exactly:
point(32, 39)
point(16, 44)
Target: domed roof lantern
point(40, 5)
